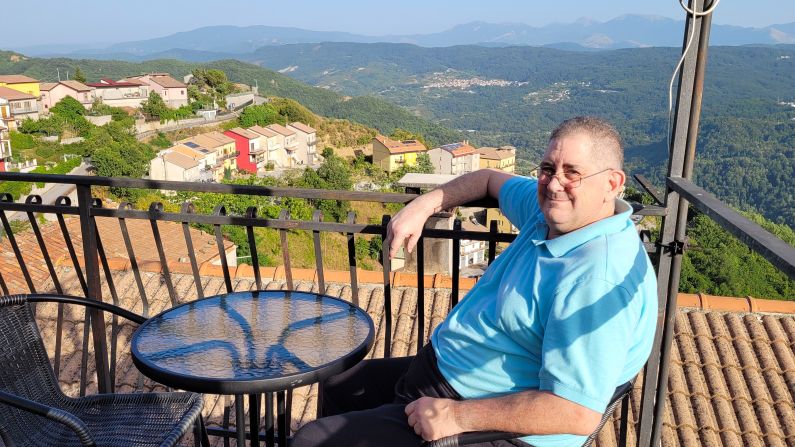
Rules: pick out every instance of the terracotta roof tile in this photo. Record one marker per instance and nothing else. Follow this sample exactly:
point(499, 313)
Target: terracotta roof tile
point(278, 128)
point(245, 133)
point(459, 149)
point(77, 86)
point(166, 81)
point(731, 382)
point(302, 127)
point(400, 147)
point(263, 131)
point(16, 79)
point(14, 95)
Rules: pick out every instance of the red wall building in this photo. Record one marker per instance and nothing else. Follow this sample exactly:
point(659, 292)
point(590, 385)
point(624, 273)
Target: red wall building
point(245, 142)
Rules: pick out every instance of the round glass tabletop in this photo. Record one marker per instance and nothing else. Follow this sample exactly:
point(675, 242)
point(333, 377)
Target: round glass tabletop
point(252, 342)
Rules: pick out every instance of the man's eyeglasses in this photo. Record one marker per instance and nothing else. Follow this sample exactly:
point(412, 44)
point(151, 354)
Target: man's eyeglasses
point(567, 179)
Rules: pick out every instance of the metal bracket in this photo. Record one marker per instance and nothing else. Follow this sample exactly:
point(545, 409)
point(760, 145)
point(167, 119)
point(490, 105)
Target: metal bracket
point(676, 247)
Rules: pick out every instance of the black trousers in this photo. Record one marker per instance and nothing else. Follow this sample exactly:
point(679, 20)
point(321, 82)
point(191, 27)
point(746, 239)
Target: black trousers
point(364, 406)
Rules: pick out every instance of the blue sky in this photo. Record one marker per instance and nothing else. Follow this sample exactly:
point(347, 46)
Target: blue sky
point(94, 21)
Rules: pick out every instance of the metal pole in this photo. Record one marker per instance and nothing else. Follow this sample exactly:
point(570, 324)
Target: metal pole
point(703, 29)
point(89, 230)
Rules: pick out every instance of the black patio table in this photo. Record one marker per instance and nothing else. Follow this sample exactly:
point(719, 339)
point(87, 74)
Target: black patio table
point(249, 343)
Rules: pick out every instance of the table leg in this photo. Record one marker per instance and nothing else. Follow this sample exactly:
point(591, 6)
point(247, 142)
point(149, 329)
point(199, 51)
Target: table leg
point(240, 420)
point(270, 435)
point(253, 418)
point(280, 419)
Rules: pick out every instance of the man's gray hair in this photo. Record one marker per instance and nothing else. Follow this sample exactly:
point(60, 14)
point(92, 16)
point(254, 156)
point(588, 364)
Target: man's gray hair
point(607, 145)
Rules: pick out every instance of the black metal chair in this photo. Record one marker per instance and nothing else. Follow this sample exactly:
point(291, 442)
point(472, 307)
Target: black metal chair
point(489, 436)
point(34, 411)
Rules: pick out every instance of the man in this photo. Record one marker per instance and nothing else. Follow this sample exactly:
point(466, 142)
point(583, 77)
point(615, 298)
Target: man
point(561, 318)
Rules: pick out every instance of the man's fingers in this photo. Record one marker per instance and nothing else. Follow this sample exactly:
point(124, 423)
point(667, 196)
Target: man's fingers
point(413, 242)
point(410, 407)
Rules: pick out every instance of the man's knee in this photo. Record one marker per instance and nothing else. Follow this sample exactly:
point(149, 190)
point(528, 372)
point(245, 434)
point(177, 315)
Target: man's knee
point(310, 435)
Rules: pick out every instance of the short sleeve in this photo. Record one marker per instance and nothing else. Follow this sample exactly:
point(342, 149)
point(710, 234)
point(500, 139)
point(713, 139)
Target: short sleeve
point(519, 200)
point(587, 337)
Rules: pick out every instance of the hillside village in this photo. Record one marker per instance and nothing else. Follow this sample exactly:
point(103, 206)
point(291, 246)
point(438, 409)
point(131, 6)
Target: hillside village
point(229, 150)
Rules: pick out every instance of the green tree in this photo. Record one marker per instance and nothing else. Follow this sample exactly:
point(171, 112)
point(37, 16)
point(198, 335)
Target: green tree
point(79, 76)
point(261, 115)
point(293, 111)
point(720, 264)
point(154, 106)
point(69, 108)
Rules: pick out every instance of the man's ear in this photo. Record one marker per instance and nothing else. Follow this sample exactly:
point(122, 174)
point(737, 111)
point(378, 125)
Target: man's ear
point(615, 184)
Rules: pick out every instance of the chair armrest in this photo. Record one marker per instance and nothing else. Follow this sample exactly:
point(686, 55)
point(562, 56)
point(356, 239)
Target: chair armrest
point(54, 414)
point(475, 437)
point(68, 299)
point(472, 437)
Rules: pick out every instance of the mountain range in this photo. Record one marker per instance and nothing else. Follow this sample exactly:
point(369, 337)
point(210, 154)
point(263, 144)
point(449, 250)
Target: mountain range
point(628, 31)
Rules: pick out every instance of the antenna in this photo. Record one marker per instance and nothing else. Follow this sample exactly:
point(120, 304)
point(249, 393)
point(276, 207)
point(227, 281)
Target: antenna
point(58, 70)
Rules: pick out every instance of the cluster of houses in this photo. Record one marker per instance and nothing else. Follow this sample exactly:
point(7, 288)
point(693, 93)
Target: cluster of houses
point(213, 156)
point(450, 160)
point(31, 98)
point(23, 97)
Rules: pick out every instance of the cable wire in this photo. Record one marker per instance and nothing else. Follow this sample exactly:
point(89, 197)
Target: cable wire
point(691, 32)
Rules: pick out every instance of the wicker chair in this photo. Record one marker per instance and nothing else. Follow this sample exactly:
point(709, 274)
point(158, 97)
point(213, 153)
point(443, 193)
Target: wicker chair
point(35, 412)
point(468, 438)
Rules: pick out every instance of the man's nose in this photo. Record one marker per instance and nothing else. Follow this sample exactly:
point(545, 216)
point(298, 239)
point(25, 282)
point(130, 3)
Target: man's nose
point(555, 184)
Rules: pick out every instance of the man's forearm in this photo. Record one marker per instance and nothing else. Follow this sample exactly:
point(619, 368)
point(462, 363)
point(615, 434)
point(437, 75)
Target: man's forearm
point(464, 189)
point(530, 412)
point(407, 224)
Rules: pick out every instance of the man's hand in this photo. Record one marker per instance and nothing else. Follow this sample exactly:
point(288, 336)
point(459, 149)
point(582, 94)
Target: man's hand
point(433, 418)
point(407, 225)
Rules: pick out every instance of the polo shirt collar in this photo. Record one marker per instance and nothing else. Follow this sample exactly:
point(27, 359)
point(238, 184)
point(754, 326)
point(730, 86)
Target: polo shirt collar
point(563, 244)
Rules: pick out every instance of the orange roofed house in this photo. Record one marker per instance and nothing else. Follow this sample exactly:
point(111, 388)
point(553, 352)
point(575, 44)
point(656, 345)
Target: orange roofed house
point(455, 158)
point(390, 155)
point(53, 92)
point(22, 105)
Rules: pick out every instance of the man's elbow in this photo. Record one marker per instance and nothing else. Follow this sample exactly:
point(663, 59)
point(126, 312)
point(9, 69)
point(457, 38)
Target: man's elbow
point(585, 421)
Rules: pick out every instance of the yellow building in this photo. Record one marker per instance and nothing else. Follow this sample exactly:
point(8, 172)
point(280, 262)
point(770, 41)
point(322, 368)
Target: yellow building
point(216, 151)
point(503, 158)
point(21, 83)
point(503, 224)
point(391, 155)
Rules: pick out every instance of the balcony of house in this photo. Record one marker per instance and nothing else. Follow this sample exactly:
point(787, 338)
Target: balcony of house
point(151, 260)
point(221, 159)
point(16, 112)
point(259, 150)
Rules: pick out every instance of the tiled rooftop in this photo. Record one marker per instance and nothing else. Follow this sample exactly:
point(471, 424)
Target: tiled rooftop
point(14, 95)
point(459, 149)
point(400, 147)
point(16, 79)
point(732, 372)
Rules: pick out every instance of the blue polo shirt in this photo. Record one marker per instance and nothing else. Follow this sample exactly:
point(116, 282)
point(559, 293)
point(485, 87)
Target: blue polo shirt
point(574, 315)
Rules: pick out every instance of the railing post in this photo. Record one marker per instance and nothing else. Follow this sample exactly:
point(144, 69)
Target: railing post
point(88, 232)
point(681, 157)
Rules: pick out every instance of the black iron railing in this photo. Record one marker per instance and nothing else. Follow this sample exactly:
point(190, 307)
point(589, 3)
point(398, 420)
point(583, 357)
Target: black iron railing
point(88, 209)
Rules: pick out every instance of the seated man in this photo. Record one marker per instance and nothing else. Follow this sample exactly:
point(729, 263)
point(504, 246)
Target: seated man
point(561, 318)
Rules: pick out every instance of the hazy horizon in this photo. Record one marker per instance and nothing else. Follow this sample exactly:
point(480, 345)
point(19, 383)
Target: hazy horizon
point(94, 24)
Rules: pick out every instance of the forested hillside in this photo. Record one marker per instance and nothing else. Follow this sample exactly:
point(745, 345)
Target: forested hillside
point(370, 111)
point(516, 95)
